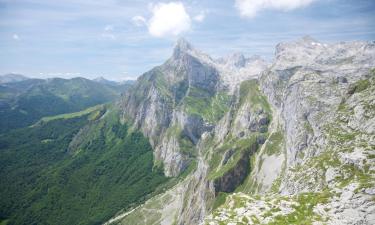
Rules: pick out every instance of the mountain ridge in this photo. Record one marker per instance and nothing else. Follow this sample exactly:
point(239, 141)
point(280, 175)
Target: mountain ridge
point(199, 140)
point(12, 77)
point(284, 123)
point(24, 102)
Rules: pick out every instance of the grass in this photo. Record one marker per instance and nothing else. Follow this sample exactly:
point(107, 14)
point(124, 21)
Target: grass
point(240, 149)
point(359, 86)
point(249, 186)
point(96, 108)
point(249, 91)
point(219, 200)
point(191, 168)
point(352, 173)
point(251, 94)
point(186, 145)
point(274, 144)
point(303, 209)
point(201, 103)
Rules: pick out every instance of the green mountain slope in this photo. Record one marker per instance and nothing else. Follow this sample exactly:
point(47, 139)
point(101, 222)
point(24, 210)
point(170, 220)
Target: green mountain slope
point(25, 102)
point(78, 168)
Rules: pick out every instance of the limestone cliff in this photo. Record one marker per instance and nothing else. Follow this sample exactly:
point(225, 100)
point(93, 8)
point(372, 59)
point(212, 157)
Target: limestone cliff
point(291, 142)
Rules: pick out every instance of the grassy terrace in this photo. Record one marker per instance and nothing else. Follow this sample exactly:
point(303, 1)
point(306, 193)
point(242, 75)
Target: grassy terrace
point(97, 108)
point(250, 92)
point(210, 108)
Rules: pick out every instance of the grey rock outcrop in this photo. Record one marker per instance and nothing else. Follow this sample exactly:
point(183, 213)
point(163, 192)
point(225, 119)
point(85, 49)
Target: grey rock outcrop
point(311, 110)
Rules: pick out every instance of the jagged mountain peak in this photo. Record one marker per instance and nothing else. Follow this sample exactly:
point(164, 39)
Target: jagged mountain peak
point(305, 41)
point(236, 59)
point(309, 39)
point(182, 46)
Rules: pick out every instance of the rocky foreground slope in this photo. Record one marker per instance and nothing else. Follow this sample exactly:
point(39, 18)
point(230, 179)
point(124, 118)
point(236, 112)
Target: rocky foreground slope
point(291, 142)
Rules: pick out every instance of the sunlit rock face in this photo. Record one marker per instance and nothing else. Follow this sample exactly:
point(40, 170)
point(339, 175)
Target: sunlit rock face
point(309, 113)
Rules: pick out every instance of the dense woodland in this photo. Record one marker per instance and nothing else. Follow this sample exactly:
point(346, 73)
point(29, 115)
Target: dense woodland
point(46, 181)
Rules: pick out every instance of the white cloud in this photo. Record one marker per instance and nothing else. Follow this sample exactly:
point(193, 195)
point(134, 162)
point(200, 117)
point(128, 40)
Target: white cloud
point(200, 17)
point(16, 37)
point(168, 19)
point(249, 8)
point(139, 21)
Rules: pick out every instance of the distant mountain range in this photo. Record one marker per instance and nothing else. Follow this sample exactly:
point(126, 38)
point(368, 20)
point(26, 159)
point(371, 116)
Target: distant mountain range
point(24, 101)
point(11, 77)
point(111, 82)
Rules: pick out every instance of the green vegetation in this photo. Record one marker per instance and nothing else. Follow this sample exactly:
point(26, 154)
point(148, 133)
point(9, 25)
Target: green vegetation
point(239, 148)
point(44, 181)
point(201, 103)
point(219, 200)
point(249, 94)
point(249, 186)
point(249, 91)
point(152, 80)
point(352, 173)
point(97, 109)
point(186, 145)
point(303, 209)
point(26, 102)
point(359, 86)
point(274, 143)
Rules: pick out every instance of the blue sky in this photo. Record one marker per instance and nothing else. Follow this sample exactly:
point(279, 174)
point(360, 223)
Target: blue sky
point(122, 39)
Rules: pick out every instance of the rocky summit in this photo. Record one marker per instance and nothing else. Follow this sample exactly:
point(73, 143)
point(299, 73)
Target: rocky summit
point(291, 141)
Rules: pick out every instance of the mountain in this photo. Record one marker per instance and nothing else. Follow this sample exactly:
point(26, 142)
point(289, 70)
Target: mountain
point(289, 142)
point(113, 83)
point(78, 168)
point(11, 77)
point(102, 80)
point(199, 140)
point(25, 102)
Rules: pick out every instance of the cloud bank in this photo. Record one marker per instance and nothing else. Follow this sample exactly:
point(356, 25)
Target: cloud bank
point(250, 8)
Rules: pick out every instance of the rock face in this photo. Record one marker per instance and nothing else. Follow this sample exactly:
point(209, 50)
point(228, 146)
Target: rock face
point(303, 83)
point(156, 105)
point(308, 118)
point(320, 94)
point(235, 176)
